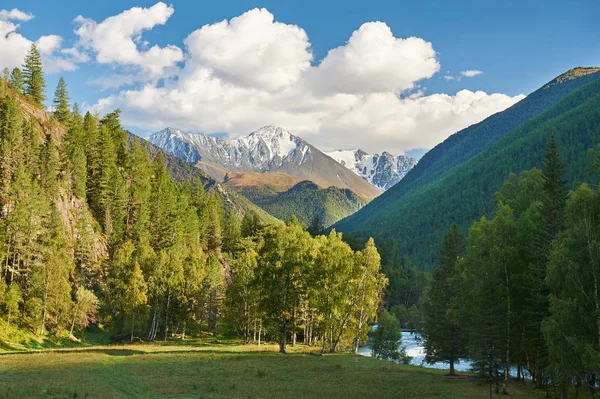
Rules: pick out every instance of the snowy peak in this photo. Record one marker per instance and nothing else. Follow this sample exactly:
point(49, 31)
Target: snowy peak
point(382, 170)
point(260, 151)
point(269, 149)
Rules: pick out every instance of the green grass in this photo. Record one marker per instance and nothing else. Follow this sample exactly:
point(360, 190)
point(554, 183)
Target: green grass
point(221, 369)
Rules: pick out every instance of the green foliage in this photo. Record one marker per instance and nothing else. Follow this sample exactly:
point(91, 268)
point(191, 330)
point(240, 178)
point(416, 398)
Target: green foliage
point(458, 177)
point(307, 201)
point(60, 103)
point(387, 339)
point(16, 80)
point(443, 333)
point(33, 76)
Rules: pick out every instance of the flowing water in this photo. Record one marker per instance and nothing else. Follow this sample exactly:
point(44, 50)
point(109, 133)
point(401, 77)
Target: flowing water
point(414, 349)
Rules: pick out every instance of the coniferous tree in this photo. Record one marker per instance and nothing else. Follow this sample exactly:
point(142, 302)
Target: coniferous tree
point(231, 232)
point(16, 80)
point(62, 112)
point(445, 337)
point(33, 76)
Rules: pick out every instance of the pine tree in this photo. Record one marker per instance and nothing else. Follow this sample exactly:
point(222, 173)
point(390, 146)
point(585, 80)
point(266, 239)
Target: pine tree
point(33, 76)
point(5, 75)
point(231, 232)
point(61, 102)
point(443, 333)
point(16, 80)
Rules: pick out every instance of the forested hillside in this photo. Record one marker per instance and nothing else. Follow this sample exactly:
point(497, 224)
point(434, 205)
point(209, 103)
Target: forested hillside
point(310, 203)
point(416, 211)
point(94, 228)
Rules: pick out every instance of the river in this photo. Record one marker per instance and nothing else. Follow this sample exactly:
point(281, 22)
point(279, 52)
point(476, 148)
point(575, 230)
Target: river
point(415, 349)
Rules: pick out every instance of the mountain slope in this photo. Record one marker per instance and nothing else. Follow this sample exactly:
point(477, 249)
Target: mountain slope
point(305, 200)
point(382, 171)
point(420, 208)
point(267, 150)
point(184, 172)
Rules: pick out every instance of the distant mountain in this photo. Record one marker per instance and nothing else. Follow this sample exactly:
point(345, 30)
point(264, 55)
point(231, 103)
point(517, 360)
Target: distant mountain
point(183, 172)
point(305, 200)
point(382, 171)
point(268, 150)
point(456, 181)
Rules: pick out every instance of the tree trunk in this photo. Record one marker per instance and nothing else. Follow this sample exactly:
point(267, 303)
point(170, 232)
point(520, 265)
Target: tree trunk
point(259, 331)
point(132, 326)
point(490, 394)
point(452, 372)
point(74, 318)
point(592, 386)
point(167, 316)
point(44, 307)
point(183, 331)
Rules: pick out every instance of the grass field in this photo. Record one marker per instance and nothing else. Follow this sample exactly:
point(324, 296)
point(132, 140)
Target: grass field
point(221, 369)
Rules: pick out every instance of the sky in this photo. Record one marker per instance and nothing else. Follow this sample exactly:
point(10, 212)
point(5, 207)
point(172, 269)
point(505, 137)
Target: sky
point(379, 75)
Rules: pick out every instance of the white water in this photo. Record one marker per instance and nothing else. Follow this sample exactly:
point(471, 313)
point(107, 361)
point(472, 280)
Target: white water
point(415, 349)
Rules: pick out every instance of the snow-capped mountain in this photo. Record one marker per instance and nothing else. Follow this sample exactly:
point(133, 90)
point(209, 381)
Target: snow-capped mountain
point(382, 171)
point(270, 149)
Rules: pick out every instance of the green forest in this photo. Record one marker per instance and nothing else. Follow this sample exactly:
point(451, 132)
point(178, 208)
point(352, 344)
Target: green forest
point(307, 201)
point(95, 230)
point(519, 296)
point(416, 211)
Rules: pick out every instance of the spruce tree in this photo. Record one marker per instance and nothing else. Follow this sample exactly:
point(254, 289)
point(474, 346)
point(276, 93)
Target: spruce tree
point(33, 76)
point(445, 338)
point(61, 102)
point(16, 80)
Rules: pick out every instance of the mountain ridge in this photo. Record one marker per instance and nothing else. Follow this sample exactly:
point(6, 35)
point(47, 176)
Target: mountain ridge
point(270, 149)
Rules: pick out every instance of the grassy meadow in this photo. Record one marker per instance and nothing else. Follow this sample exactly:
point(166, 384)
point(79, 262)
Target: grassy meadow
point(211, 368)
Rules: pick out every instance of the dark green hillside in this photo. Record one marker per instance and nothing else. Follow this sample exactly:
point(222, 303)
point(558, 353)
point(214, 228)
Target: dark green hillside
point(469, 142)
point(305, 200)
point(418, 218)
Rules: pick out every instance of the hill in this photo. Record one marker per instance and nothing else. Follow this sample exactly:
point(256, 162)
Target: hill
point(305, 200)
point(268, 150)
point(456, 181)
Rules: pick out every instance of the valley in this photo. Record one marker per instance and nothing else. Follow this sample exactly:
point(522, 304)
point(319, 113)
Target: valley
point(216, 208)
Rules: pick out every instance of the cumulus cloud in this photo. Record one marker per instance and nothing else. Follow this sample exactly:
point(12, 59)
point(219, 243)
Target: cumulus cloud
point(253, 70)
point(251, 50)
point(14, 46)
point(117, 40)
point(471, 72)
point(449, 77)
point(15, 15)
point(374, 61)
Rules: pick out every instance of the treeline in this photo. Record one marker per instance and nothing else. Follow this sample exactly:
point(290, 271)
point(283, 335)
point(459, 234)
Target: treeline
point(521, 292)
point(93, 230)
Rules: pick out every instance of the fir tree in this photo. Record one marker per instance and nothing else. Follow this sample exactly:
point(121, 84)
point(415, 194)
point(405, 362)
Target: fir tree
point(444, 335)
point(33, 76)
point(61, 102)
point(16, 80)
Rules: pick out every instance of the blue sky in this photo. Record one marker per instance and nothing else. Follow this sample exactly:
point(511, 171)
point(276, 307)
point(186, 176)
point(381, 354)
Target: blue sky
point(517, 45)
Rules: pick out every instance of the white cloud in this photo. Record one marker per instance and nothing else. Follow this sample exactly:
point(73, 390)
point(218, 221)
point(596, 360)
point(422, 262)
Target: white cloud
point(15, 15)
point(251, 51)
point(471, 72)
point(14, 46)
point(117, 40)
point(448, 77)
point(252, 71)
point(374, 61)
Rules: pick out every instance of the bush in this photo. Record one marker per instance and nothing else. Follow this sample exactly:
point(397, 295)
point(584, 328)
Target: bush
point(387, 340)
